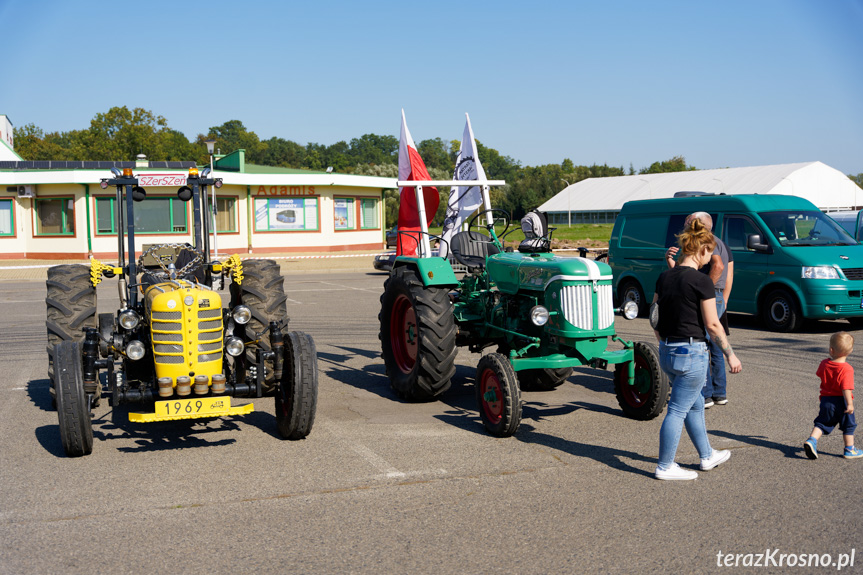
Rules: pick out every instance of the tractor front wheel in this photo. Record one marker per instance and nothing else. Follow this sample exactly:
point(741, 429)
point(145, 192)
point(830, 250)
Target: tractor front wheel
point(497, 395)
point(71, 307)
point(263, 292)
point(73, 406)
point(297, 395)
point(417, 333)
point(646, 397)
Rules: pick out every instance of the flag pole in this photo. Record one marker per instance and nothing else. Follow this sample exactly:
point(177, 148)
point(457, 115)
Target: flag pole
point(425, 245)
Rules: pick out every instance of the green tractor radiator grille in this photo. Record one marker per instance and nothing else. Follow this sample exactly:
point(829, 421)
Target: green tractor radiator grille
point(576, 301)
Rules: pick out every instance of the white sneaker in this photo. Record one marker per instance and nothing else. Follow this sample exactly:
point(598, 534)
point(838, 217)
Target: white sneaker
point(718, 456)
point(675, 473)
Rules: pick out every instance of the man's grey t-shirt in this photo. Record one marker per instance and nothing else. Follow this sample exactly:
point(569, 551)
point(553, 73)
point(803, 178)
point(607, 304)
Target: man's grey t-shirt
point(723, 252)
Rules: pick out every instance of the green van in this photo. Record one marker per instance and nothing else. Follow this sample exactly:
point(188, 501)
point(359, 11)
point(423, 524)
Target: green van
point(790, 260)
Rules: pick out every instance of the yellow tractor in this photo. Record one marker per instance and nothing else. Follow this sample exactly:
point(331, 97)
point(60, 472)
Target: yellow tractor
point(173, 346)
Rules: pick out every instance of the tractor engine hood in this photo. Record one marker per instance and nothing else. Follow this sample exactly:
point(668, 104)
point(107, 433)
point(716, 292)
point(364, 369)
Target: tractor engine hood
point(516, 271)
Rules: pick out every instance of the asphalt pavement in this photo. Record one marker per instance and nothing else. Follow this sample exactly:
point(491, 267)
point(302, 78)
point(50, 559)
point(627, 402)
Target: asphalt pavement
point(384, 486)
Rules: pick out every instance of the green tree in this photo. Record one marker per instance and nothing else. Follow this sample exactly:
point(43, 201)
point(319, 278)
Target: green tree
point(284, 153)
point(675, 164)
point(120, 134)
point(232, 136)
point(858, 179)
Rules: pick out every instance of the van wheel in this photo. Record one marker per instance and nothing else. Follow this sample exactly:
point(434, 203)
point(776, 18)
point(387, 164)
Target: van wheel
point(630, 290)
point(780, 311)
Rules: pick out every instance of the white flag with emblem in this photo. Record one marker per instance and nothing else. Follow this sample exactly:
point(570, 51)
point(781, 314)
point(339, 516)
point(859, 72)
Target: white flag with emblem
point(463, 200)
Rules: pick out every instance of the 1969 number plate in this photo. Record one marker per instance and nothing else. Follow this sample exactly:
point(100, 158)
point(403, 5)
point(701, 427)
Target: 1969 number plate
point(195, 406)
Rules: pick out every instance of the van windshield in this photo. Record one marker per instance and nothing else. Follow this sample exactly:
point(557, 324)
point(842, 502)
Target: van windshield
point(805, 228)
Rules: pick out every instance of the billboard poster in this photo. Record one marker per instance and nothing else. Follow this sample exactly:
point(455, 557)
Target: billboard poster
point(285, 214)
point(341, 212)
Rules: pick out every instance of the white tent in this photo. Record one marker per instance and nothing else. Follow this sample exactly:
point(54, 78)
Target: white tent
point(826, 187)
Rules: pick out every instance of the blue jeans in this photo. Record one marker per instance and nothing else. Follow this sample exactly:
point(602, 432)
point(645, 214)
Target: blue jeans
point(714, 384)
point(686, 365)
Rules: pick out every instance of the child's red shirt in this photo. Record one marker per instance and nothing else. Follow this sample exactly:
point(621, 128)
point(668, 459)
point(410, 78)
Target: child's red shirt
point(835, 377)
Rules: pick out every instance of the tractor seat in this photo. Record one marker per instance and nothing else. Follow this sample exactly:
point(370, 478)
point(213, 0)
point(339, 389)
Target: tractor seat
point(471, 250)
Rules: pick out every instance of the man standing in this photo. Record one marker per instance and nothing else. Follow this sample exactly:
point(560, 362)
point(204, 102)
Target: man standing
point(721, 271)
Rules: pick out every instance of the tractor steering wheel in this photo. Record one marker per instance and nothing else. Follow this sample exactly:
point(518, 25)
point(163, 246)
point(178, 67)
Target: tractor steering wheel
point(492, 211)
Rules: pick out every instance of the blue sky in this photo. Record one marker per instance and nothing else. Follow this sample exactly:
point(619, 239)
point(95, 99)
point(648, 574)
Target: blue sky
point(725, 84)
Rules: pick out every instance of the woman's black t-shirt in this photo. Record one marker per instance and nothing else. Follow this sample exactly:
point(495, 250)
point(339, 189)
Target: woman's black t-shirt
point(680, 292)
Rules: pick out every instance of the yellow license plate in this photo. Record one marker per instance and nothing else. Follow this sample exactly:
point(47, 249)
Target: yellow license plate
point(192, 408)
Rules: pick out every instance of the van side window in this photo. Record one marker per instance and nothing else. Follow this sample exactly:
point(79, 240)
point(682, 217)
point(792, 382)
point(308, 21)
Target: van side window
point(737, 230)
point(643, 232)
point(675, 226)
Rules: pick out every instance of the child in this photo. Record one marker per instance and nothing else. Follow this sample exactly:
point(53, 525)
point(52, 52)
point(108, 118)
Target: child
point(837, 397)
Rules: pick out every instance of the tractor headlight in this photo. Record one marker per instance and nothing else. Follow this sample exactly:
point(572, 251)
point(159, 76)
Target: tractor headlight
point(241, 314)
point(129, 319)
point(234, 346)
point(539, 315)
point(135, 350)
point(630, 310)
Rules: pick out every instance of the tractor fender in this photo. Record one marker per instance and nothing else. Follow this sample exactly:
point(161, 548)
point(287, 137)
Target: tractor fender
point(434, 272)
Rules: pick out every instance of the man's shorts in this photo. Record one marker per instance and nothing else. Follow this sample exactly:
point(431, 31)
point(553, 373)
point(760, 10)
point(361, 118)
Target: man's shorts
point(832, 412)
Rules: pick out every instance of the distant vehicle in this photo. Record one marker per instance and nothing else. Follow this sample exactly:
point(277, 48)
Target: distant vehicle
point(850, 222)
point(791, 262)
point(392, 237)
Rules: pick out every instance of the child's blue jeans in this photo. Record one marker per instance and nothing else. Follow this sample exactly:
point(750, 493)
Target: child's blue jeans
point(831, 413)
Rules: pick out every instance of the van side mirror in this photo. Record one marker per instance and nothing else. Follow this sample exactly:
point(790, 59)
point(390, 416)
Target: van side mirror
point(754, 242)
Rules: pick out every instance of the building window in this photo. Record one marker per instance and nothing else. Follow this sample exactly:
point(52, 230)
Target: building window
point(369, 214)
point(226, 216)
point(55, 217)
point(7, 218)
point(344, 214)
point(152, 216)
point(286, 214)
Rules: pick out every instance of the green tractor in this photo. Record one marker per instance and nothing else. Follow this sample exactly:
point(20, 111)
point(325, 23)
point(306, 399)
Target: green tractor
point(543, 314)
point(172, 346)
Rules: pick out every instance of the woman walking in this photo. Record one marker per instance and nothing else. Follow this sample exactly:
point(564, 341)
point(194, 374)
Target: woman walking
point(687, 307)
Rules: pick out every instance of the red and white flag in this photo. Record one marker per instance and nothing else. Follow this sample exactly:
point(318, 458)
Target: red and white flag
point(412, 167)
point(463, 200)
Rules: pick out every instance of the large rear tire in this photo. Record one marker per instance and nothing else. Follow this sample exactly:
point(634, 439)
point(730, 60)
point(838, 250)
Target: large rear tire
point(497, 395)
point(417, 336)
point(545, 379)
point(71, 307)
point(263, 291)
point(297, 395)
point(646, 397)
point(73, 406)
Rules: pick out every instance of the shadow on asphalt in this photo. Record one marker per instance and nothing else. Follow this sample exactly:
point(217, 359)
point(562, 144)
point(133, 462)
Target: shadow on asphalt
point(39, 394)
point(790, 451)
point(610, 456)
point(753, 323)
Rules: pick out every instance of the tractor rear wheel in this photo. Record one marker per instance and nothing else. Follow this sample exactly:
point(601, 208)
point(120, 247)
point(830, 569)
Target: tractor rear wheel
point(73, 406)
point(646, 397)
point(417, 336)
point(545, 379)
point(297, 395)
point(497, 395)
point(263, 292)
point(71, 303)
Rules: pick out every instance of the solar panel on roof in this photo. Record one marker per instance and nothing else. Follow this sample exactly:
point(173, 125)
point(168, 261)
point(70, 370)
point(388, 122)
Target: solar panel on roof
point(158, 164)
point(91, 165)
point(41, 165)
point(7, 165)
point(58, 165)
